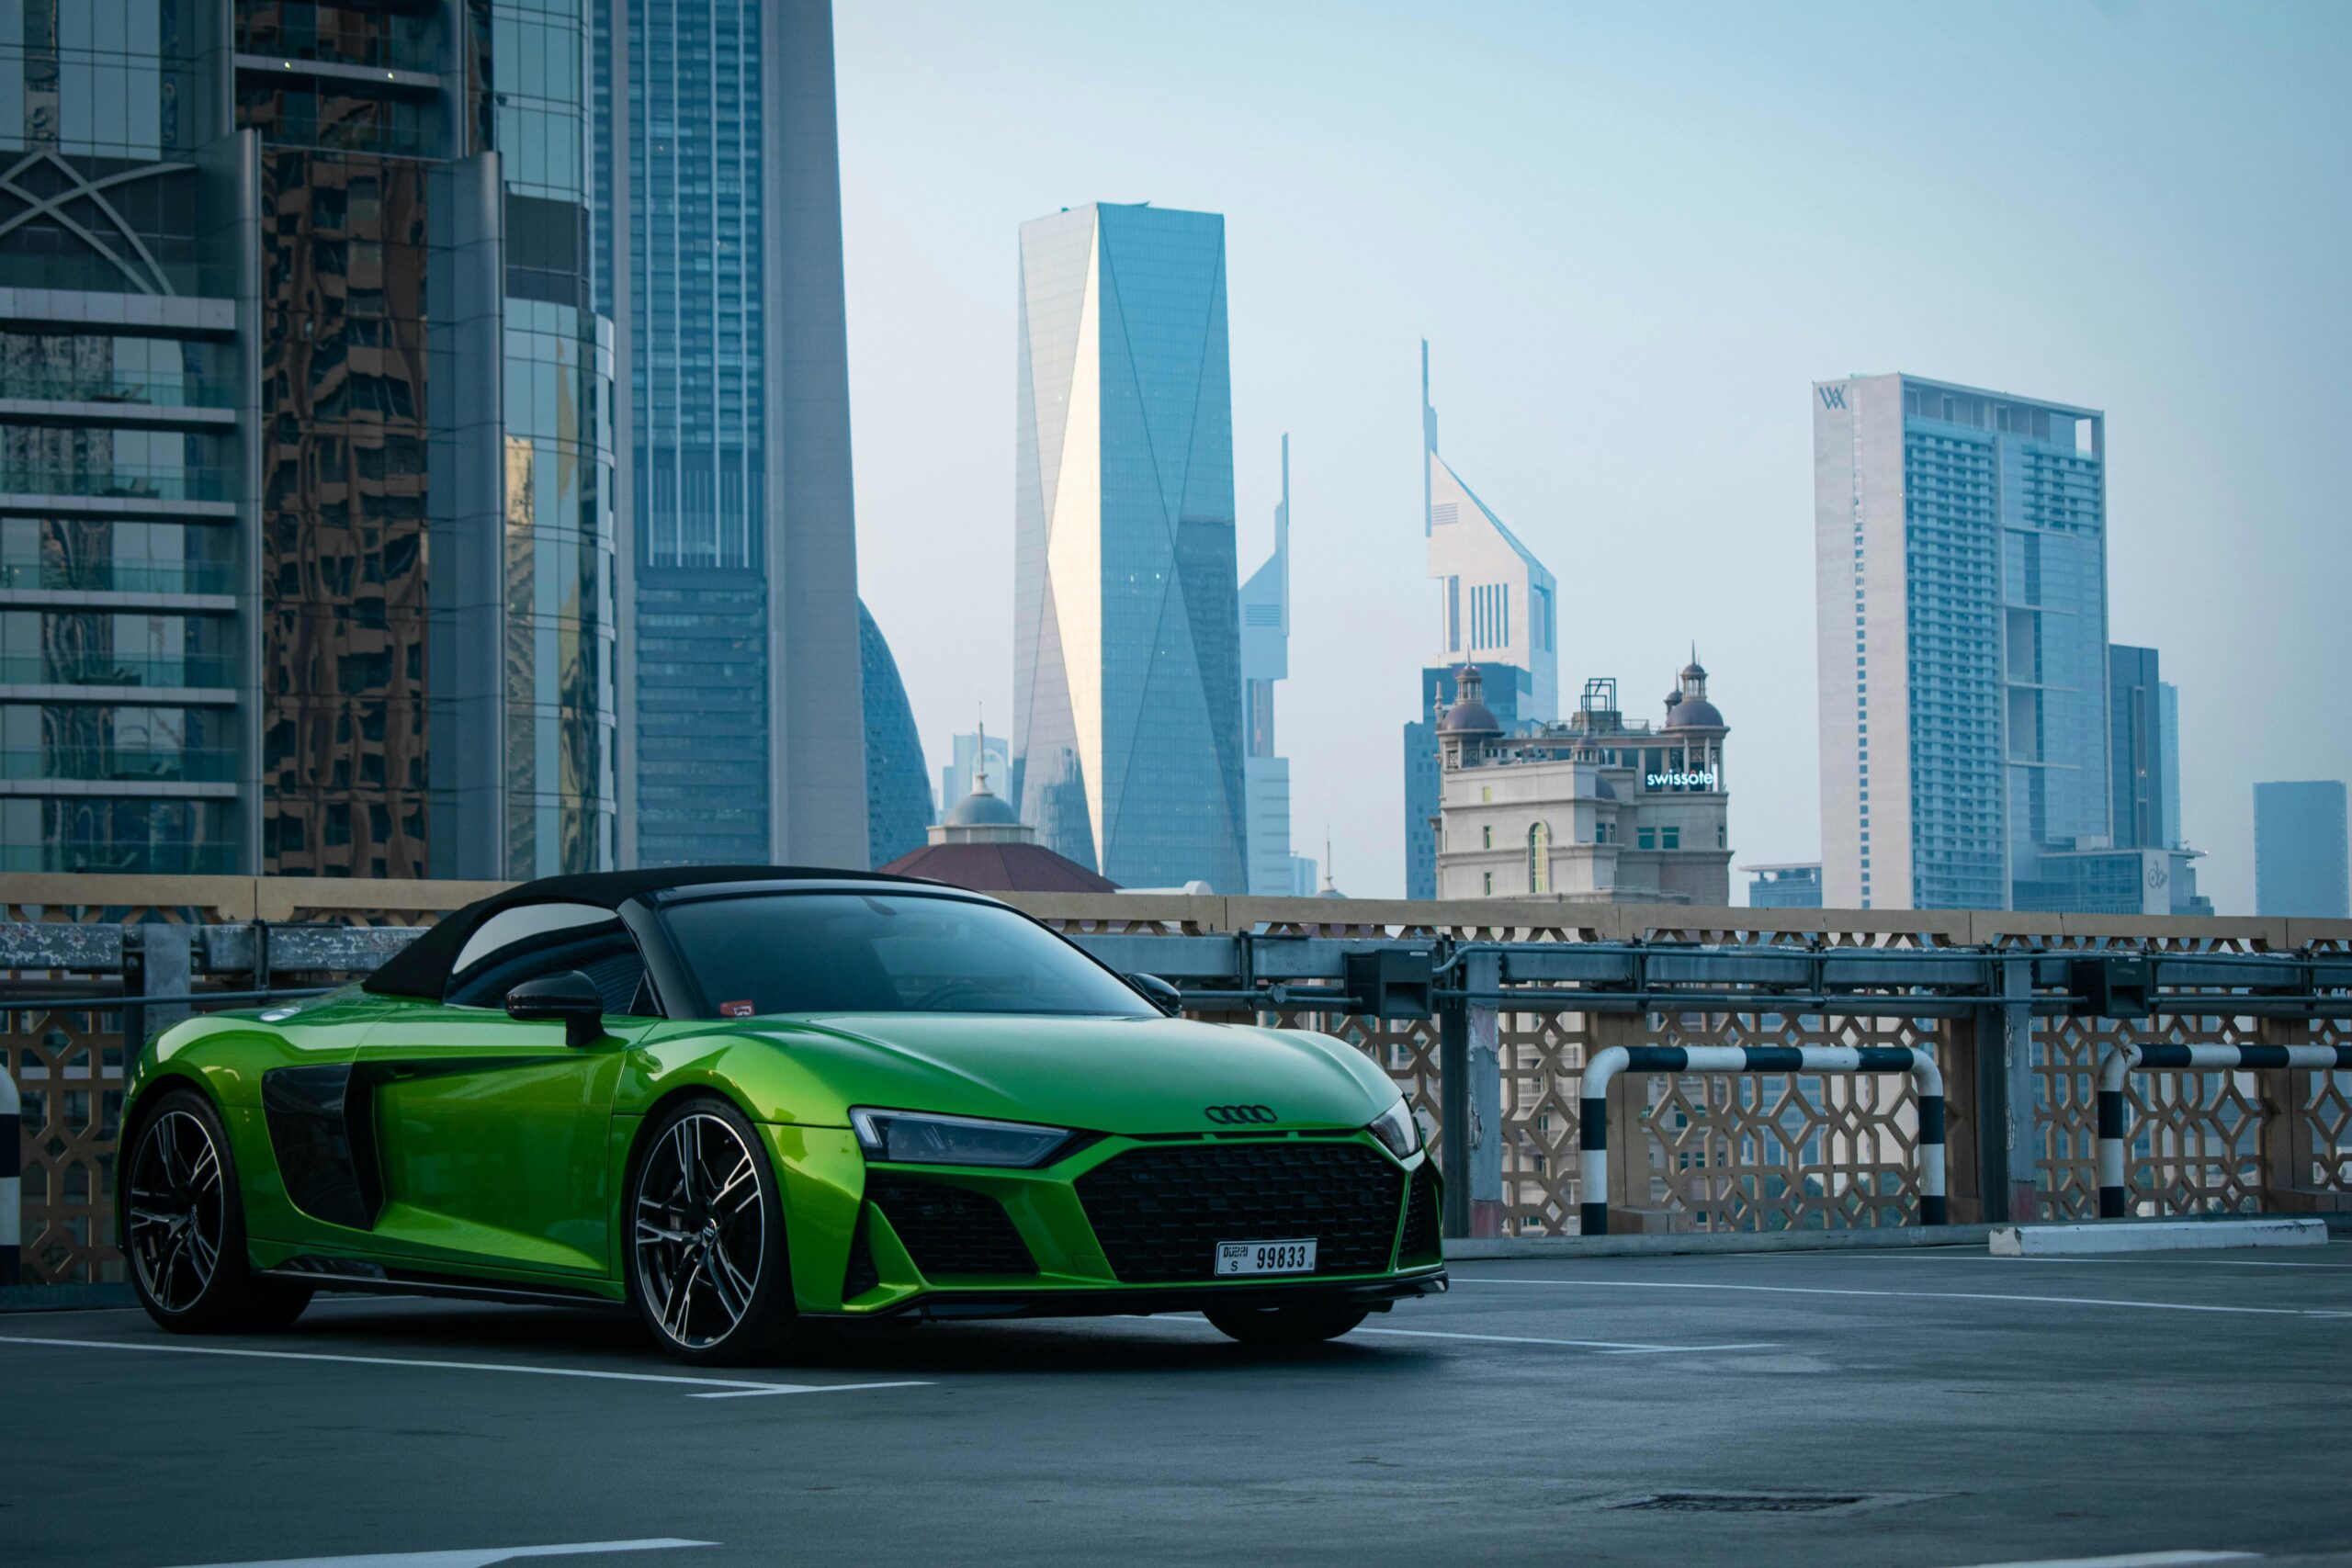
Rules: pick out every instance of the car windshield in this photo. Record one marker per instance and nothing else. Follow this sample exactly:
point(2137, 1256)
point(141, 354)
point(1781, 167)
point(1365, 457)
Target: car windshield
point(864, 952)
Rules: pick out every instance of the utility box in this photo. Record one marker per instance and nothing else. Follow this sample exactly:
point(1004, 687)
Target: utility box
point(1391, 984)
point(2112, 986)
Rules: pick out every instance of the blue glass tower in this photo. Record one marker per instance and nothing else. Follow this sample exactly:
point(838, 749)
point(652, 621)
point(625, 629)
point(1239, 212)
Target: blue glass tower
point(1961, 557)
point(720, 255)
point(1127, 745)
point(897, 788)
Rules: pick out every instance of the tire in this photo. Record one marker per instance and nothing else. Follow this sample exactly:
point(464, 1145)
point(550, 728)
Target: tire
point(706, 1266)
point(184, 1240)
point(1308, 1323)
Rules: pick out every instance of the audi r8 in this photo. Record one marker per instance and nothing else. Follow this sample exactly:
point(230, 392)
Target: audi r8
point(744, 1102)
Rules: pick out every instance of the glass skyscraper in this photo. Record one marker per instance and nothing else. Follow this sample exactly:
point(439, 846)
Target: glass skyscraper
point(1497, 606)
point(719, 234)
point(897, 788)
point(1960, 565)
point(1265, 662)
point(1127, 742)
point(2300, 864)
point(305, 473)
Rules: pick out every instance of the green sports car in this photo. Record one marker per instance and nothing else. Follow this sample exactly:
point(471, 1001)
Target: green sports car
point(746, 1100)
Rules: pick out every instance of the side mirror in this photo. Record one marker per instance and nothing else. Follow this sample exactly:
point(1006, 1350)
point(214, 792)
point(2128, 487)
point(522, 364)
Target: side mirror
point(566, 996)
point(1159, 993)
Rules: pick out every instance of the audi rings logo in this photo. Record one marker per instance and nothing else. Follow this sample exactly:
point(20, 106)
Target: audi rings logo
point(1235, 1115)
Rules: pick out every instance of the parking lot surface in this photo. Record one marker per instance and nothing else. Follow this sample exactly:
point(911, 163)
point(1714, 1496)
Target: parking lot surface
point(1917, 1407)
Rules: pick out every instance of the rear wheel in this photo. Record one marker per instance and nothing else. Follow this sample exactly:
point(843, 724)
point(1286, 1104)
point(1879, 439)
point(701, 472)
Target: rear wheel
point(1308, 1323)
point(186, 1235)
point(707, 1266)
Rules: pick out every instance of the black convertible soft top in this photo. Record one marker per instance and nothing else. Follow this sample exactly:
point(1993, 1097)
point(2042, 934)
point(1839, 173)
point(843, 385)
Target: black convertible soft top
point(421, 968)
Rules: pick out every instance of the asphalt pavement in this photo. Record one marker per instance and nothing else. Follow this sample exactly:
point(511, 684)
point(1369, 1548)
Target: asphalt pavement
point(1919, 1407)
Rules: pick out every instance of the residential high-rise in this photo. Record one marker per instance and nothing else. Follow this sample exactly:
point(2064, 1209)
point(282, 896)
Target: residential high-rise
point(1127, 745)
point(1265, 658)
point(2299, 850)
point(898, 786)
point(1495, 604)
point(718, 235)
point(305, 460)
point(1960, 564)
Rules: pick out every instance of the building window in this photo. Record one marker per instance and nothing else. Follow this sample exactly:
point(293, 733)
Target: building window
point(1646, 838)
point(1487, 877)
point(1486, 837)
point(1670, 838)
point(1538, 859)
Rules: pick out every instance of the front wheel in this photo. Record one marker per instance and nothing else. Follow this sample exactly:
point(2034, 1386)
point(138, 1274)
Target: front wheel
point(708, 1268)
point(186, 1231)
point(1306, 1323)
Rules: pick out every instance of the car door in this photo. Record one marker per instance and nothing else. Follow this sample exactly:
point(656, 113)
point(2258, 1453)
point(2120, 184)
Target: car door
point(494, 1135)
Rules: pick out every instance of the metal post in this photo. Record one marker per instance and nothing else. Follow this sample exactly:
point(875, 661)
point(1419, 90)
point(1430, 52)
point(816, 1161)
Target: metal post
point(164, 970)
point(1481, 975)
point(1454, 1118)
point(2007, 1134)
point(12, 1196)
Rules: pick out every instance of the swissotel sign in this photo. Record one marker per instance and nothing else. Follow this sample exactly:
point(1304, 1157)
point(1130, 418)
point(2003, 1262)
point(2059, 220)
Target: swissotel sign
point(1703, 779)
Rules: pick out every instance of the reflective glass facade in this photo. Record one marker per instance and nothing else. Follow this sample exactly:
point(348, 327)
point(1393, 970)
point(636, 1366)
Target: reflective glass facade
point(2299, 864)
point(897, 788)
point(1127, 737)
point(350, 480)
point(687, 129)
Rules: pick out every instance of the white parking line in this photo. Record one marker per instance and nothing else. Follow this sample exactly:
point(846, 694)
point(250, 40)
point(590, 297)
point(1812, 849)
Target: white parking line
point(730, 1388)
point(2175, 1259)
point(473, 1557)
point(1460, 1280)
point(1606, 1347)
point(2130, 1560)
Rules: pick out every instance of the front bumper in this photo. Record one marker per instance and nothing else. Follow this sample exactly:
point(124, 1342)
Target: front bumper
point(853, 1256)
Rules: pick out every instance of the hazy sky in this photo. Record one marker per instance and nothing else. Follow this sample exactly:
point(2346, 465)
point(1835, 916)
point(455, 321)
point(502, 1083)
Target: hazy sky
point(1633, 236)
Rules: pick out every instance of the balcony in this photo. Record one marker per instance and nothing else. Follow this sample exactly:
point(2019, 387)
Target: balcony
point(92, 858)
point(115, 670)
point(119, 764)
point(184, 391)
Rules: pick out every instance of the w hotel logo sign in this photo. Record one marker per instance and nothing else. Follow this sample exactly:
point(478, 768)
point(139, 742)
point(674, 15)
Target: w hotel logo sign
point(1832, 396)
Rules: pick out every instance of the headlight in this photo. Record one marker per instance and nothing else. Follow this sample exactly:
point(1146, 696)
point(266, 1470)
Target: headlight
point(1398, 1131)
point(914, 1137)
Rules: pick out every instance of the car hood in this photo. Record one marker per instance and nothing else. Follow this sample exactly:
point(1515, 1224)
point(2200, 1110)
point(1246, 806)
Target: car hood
point(1105, 1074)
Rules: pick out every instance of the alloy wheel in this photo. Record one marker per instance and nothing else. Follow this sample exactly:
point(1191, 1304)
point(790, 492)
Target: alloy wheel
point(177, 1210)
point(701, 1230)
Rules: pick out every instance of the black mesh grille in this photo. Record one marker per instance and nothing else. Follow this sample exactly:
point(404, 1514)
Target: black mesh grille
point(951, 1230)
point(1420, 1236)
point(1159, 1213)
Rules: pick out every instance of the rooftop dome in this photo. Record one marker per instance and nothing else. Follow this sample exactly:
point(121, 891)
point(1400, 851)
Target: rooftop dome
point(1687, 706)
point(982, 808)
point(1468, 714)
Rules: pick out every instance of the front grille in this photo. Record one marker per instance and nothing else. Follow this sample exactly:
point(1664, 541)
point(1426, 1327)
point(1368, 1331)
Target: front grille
point(860, 1275)
point(951, 1230)
point(1420, 1234)
point(1159, 1213)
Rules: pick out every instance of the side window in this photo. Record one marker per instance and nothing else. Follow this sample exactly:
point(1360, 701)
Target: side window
point(532, 940)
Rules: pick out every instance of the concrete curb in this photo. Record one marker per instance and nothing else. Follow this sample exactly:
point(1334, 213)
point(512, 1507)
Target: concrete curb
point(2154, 1236)
point(64, 1298)
point(1501, 1248)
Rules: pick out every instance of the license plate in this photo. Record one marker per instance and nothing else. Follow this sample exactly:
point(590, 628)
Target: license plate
point(1265, 1257)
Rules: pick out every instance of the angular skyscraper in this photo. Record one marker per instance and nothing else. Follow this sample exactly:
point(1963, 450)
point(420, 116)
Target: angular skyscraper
point(719, 235)
point(2299, 850)
point(1960, 568)
point(306, 458)
point(1127, 747)
point(1265, 658)
point(2140, 743)
point(1497, 606)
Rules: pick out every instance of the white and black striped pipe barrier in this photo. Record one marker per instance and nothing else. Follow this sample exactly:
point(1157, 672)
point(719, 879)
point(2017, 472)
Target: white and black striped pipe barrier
point(1605, 1064)
point(12, 1196)
point(2114, 1117)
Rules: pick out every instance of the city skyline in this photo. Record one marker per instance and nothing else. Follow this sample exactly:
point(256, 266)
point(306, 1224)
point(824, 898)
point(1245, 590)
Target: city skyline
point(1631, 331)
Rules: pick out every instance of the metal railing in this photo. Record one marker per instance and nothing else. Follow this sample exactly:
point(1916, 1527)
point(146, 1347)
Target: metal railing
point(121, 764)
point(120, 576)
point(1489, 1016)
point(57, 669)
point(185, 391)
point(129, 481)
